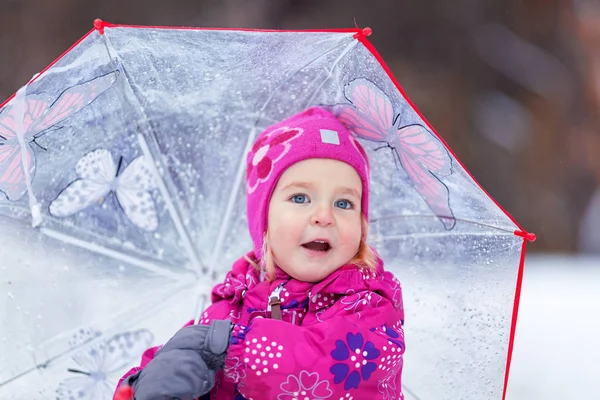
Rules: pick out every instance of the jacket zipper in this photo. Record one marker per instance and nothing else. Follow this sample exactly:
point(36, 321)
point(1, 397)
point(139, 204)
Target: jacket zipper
point(275, 303)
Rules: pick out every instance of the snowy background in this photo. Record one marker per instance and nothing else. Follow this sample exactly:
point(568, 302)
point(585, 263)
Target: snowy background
point(556, 355)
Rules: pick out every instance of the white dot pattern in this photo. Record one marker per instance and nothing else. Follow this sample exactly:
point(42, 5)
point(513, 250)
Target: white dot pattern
point(264, 354)
point(321, 300)
point(204, 319)
point(389, 362)
point(368, 273)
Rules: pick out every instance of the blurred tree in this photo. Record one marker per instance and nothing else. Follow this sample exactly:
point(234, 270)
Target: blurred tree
point(584, 21)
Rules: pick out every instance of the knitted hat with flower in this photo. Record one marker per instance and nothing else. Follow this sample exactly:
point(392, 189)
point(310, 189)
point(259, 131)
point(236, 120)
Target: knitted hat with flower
point(313, 133)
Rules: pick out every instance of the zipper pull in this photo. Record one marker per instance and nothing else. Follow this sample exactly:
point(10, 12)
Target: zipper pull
point(275, 303)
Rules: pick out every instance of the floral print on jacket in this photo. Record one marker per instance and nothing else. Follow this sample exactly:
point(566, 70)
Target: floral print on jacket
point(341, 338)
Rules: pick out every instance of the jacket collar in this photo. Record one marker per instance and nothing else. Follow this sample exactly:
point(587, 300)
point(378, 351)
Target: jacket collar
point(346, 280)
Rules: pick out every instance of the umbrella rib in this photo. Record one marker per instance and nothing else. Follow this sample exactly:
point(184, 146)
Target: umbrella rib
point(242, 165)
point(91, 234)
point(330, 72)
point(431, 235)
point(114, 254)
point(187, 243)
point(170, 201)
point(268, 101)
point(468, 221)
point(34, 206)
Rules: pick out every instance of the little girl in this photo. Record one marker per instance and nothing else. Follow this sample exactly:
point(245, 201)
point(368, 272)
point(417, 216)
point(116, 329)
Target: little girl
point(310, 312)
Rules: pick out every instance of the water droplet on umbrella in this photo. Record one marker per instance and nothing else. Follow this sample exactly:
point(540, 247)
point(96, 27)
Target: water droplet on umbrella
point(10, 295)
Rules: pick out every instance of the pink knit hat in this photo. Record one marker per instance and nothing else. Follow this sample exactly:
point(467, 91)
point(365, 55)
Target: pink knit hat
point(313, 133)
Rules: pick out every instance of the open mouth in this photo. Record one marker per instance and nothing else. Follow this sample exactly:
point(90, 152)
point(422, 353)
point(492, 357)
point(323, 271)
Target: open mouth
point(317, 245)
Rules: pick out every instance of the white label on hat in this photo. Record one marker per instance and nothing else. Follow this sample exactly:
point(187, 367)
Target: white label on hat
point(330, 137)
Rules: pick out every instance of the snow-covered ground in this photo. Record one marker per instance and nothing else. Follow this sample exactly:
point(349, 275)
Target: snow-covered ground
point(556, 352)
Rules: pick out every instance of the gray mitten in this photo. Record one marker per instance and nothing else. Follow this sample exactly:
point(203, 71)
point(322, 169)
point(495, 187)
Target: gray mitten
point(184, 368)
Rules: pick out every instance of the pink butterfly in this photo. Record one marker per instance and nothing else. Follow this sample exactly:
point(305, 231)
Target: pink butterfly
point(371, 116)
point(40, 113)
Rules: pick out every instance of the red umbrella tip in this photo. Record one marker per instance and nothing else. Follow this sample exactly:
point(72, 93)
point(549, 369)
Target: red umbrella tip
point(99, 25)
point(124, 392)
point(530, 237)
point(363, 33)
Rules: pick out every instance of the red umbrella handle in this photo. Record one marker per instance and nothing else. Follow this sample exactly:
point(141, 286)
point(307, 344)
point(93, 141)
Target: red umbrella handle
point(124, 392)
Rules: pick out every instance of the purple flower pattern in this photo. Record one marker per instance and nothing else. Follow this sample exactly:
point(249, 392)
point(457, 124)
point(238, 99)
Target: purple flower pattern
point(239, 333)
point(394, 336)
point(355, 360)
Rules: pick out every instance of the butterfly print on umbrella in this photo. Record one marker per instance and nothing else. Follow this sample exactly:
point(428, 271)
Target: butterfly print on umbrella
point(40, 114)
point(99, 365)
point(98, 176)
point(371, 116)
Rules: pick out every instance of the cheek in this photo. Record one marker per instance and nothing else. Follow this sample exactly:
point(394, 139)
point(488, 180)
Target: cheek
point(351, 236)
point(283, 235)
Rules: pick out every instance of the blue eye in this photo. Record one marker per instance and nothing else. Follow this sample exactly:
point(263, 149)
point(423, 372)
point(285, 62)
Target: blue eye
point(344, 204)
point(299, 198)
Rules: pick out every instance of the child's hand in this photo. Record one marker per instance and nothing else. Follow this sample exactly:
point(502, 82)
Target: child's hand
point(184, 368)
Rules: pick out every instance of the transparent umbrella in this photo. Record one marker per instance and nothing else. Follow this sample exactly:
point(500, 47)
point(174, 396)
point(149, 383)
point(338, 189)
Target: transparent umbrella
point(122, 166)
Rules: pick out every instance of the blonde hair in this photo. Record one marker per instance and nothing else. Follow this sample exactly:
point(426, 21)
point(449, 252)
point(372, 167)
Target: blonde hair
point(365, 256)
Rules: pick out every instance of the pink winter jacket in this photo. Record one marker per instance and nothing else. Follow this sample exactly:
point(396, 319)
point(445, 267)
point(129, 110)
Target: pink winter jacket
point(340, 338)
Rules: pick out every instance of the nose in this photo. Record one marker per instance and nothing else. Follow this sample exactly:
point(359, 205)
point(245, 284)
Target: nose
point(322, 216)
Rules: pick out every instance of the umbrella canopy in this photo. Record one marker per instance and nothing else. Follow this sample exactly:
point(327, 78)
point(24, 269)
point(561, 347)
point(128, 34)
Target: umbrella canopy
point(126, 158)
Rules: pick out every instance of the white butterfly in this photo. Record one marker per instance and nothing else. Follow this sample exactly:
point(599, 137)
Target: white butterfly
point(99, 367)
point(97, 173)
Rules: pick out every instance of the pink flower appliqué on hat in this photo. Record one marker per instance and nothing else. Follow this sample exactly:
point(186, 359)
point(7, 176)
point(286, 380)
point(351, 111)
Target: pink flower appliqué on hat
point(266, 152)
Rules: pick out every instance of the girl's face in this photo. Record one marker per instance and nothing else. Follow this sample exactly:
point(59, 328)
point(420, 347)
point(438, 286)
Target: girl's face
point(314, 220)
